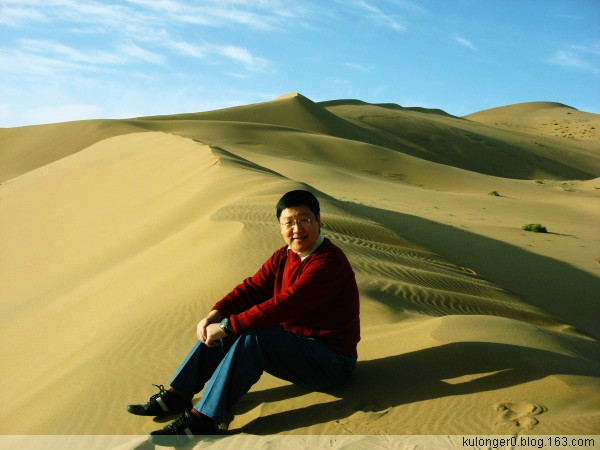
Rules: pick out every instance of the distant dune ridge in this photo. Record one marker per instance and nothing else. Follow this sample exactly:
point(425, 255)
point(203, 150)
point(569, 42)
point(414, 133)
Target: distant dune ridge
point(118, 235)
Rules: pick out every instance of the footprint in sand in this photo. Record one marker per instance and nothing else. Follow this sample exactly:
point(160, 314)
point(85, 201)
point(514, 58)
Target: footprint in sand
point(365, 420)
point(520, 415)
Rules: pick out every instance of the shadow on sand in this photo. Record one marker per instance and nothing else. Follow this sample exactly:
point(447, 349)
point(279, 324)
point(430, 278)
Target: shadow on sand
point(421, 375)
point(565, 293)
point(413, 377)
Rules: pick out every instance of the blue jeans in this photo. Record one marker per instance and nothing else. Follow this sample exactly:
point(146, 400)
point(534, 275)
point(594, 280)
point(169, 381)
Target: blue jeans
point(238, 363)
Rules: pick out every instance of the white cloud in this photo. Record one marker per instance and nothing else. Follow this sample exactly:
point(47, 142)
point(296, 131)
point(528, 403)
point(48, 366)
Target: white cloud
point(242, 56)
point(142, 30)
point(187, 49)
point(51, 49)
point(15, 16)
point(27, 64)
point(360, 67)
point(136, 52)
point(567, 58)
point(465, 42)
point(227, 17)
point(158, 5)
point(408, 5)
point(234, 53)
point(34, 58)
point(594, 49)
point(260, 15)
point(376, 14)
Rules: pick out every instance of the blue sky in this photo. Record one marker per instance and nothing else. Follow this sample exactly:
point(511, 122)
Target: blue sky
point(63, 60)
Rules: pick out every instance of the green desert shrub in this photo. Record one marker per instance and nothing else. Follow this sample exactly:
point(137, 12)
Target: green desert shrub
point(494, 193)
point(535, 227)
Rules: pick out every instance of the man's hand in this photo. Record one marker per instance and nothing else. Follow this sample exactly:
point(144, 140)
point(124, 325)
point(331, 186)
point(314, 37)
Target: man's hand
point(214, 318)
point(214, 334)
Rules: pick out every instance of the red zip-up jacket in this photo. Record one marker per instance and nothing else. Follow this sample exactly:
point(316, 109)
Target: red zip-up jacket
point(316, 297)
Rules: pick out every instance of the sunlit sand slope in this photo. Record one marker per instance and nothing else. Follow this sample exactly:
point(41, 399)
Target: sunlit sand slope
point(117, 241)
point(543, 119)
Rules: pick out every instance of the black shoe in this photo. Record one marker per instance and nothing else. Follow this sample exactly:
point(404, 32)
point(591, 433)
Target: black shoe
point(164, 403)
point(187, 428)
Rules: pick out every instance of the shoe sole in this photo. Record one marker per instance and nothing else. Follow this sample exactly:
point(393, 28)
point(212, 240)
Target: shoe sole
point(161, 414)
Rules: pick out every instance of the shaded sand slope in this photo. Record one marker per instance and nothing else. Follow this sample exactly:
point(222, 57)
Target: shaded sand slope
point(469, 325)
point(450, 211)
point(469, 145)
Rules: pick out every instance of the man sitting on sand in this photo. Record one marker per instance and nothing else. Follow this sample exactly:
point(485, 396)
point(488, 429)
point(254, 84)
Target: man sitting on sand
point(297, 318)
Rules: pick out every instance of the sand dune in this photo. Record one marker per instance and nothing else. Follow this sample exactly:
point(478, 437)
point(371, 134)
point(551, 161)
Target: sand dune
point(441, 138)
point(118, 235)
point(543, 119)
point(27, 148)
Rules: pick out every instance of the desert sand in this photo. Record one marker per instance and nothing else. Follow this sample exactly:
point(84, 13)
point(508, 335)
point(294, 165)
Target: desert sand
point(117, 236)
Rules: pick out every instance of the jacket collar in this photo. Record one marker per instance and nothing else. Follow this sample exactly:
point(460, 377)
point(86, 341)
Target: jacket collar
point(307, 253)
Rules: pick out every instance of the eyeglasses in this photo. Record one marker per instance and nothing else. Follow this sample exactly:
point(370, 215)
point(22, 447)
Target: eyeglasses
point(302, 223)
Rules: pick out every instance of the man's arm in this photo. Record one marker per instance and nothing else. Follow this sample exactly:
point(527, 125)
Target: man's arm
point(252, 290)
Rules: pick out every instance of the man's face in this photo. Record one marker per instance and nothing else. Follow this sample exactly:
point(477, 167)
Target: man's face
point(299, 227)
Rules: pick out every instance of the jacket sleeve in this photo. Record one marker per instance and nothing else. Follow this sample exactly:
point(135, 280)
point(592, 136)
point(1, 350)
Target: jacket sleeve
point(252, 290)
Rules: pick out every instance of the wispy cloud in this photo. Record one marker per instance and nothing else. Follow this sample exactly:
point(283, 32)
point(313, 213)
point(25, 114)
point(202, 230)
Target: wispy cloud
point(594, 48)
point(56, 50)
point(186, 49)
point(243, 56)
point(16, 15)
point(49, 60)
point(408, 5)
point(377, 15)
point(136, 31)
point(134, 52)
point(359, 67)
point(568, 58)
point(580, 57)
point(260, 15)
point(207, 51)
point(462, 41)
point(31, 57)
